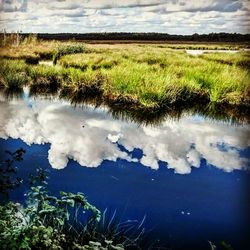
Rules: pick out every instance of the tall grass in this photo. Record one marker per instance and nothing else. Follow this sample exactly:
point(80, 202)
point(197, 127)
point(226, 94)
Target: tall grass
point(28, 47)
point(92, 61)
point(152, 75)
point(145, 76)
point(67, 49)
point(241, 59)
point(12, 78)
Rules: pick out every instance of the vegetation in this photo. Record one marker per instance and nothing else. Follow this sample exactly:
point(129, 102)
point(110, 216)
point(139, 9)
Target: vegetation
point(8, 180)
point(67, 50)
point(152, 75)
point(136, 76)
point(153, 36)
point(68, 221)
point(28, 47)
point(238, 60)
point(32, 50)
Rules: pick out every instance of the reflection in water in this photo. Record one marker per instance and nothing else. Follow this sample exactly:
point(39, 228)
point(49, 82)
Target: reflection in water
point(12, 93)
point(181, 210)
point(222, 112)
point(89, 136)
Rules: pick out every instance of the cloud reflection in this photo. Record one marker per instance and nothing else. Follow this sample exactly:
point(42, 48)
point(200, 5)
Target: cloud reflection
point(90, 136)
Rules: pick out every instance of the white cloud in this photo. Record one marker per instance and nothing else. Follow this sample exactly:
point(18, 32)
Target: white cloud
point(90, 136)
point(174, 16)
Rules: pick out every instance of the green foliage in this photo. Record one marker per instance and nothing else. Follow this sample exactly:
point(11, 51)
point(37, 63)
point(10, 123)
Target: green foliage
point(92, 60)
point(8, 178)
point(12, 77)
point(68, 221)
point(41, 224)
point(14, 80)
point(19, 231)
point(70, 49)
point(241, 59)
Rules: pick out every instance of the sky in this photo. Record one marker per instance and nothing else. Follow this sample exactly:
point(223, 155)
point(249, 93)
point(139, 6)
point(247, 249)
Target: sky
point(166, 16)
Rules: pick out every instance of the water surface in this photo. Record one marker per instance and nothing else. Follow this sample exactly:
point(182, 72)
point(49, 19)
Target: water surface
point(188, 177)
point(196, 52)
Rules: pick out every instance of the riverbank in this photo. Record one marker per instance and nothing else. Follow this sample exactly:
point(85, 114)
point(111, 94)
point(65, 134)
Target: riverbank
point(134, 76)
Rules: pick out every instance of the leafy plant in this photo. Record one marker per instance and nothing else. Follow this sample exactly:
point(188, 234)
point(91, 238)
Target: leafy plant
point(67, 221)
point(8, 178)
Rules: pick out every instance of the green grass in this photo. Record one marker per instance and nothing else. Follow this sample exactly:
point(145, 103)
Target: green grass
point(239, 59)
point(92, 61)
point(143, 75)
point(167, 76)
point(67, 49)
point(12, 75)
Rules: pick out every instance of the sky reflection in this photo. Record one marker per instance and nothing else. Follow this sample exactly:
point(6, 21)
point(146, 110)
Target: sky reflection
point(89, 136)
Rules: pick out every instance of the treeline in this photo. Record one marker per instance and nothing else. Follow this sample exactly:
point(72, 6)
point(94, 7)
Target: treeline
point(212, 37)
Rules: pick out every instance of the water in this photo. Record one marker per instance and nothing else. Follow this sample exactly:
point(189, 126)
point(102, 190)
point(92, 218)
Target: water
point(47, 63)
point(196, 52)
point(188, 177)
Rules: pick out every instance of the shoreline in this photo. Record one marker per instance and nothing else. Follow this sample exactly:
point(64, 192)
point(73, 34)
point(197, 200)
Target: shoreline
point(135, 77)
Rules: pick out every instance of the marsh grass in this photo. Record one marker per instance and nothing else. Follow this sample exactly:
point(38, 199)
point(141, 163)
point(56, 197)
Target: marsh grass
point(92, 61)
point(44, 50)
point(80, 88)
point(12, 79)
point(143, 75)
point(67, 49)
point(241, 59)
point(153, 76)
point(31, 47)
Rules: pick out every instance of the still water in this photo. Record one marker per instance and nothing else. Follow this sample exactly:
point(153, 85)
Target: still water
point(197, 52)
point(187, 179)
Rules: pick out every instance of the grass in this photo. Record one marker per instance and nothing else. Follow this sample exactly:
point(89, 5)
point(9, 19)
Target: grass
point(148, 76)
point(32, 48)
point(45, 50)
point(239, 59)
point(153, 76)
point(67, 49)
point(12, 82)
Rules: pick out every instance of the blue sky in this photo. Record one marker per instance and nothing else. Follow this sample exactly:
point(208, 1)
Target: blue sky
point(168, 16)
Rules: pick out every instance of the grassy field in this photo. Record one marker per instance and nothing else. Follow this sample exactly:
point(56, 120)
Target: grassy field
point(136, 75)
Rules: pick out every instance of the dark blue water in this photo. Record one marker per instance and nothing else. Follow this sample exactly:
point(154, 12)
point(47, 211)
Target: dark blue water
point(189, 178)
